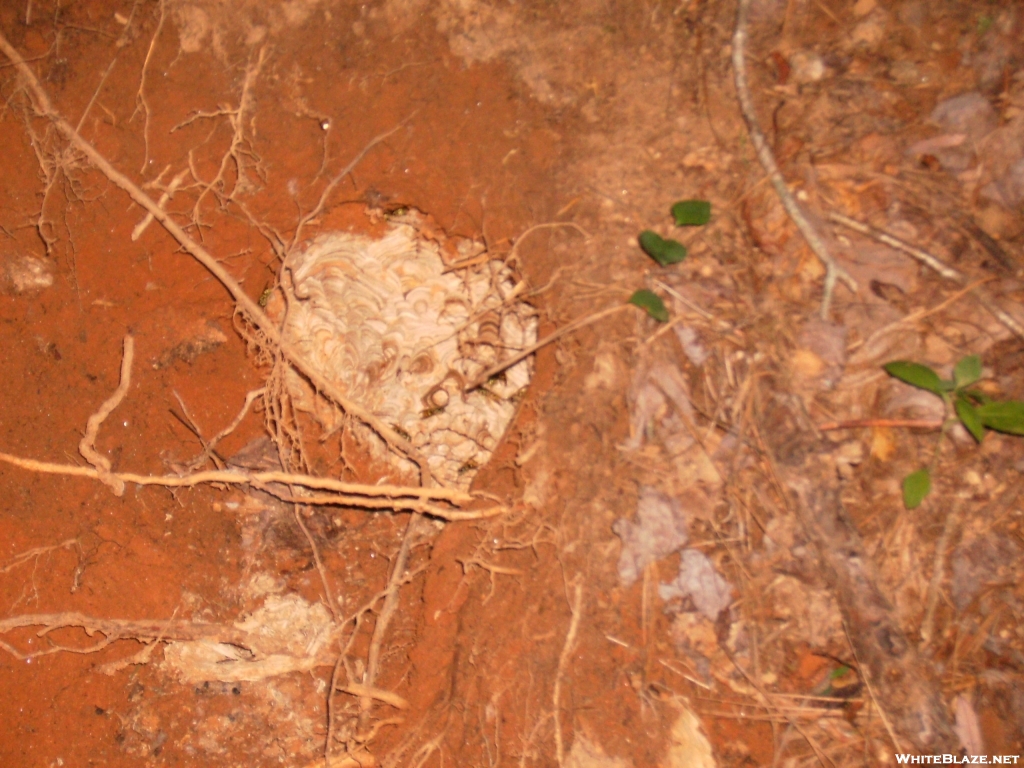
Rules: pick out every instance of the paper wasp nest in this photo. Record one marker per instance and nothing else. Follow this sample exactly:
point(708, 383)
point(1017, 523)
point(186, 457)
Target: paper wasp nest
point(402, 336)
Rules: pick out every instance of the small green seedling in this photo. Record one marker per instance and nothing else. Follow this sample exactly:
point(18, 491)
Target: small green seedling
point(691, 213)
point(973, 408)
point(652, 303)
point(665, 251)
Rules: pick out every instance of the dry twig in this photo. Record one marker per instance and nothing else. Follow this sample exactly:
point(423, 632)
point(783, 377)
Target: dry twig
point(199, 460)
point(395, 580)
point(898, 679)
point(143, 105)
point(563, 662)
point(927, 631)
point(168, 193)
point(525, 353)
point(769, 705)
point(861, 423)
point(833, 272)
point(933, 262)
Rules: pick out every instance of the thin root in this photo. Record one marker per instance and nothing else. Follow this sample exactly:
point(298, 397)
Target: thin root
point(87, 446)
point(252, 310)
point(345, 494)
point(563, 662)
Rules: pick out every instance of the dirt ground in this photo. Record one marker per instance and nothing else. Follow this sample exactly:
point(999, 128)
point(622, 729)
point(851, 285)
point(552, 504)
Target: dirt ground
point(702, 556)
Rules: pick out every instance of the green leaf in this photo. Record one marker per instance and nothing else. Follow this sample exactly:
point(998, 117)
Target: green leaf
point(1007, 416)
point(663, 251)
point(838, 672)
point(916, 486)
point(967, 371)
point(975, 396)
point(652, 303)
point(969, 416)
point(691, 213)
point(920, 376)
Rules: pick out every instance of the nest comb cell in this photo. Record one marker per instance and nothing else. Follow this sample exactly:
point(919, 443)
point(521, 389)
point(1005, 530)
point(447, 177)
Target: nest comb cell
point(402, 333)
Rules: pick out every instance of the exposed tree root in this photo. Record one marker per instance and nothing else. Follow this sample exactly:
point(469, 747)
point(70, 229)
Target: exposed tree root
point(250, 307)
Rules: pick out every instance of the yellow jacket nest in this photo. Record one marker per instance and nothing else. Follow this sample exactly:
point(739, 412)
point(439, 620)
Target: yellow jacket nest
point(402, 337)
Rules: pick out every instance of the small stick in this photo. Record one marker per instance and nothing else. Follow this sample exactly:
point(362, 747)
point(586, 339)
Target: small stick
point(563, 662)
point(833, 271)
point(199, 460)
point(387, 610)
point(574, 325)
point(922, 256)
point(332, 604)
point(986, 298)
point(87, 446)
point(859, 423)
point(920, 314)
point(162, 202)
point(769, 705)
point(141, 99)
point(865, 676)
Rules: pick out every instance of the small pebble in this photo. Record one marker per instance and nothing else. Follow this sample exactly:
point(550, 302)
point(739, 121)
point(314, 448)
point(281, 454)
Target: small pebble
point(806, 67)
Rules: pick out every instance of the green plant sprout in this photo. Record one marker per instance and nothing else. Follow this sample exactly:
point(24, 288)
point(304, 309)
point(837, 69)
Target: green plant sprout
point(691, 213)
point(651, 303)
point(973, 408)
point(665, 251)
